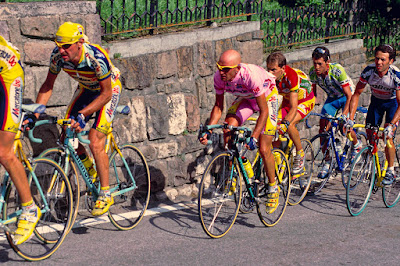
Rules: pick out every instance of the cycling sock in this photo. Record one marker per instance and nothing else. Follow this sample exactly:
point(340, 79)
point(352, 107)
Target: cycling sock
point(391, 169)
point(28, 206)
point(300, 153)
point(105, 191)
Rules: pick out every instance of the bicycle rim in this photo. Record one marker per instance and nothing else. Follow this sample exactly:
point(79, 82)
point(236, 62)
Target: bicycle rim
point(360, 182)
point(53, 226)
point(282, 174)
point(320, 159)
point(130, 187)
point(70, 169)
point(391, 193)
point(219, 196)
point(300, 184)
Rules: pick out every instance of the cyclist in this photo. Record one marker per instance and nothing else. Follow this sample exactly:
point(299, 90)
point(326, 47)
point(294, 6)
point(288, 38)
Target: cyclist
point(384, 80)
point(256, 91)
point(12, 88)
point(332, 78)
point(298, 101)
point(98, 92)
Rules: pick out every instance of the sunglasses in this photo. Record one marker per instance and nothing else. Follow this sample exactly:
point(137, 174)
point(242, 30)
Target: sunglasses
point(320, 50)
point(225, 68)
point(66, 46)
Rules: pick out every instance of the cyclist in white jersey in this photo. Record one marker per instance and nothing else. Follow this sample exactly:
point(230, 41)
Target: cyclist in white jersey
point(384, 80)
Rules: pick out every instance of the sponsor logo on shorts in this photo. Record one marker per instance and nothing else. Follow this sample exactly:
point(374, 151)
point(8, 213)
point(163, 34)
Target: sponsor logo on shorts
point(113, 104)
point(16, 99)
point(274, 107)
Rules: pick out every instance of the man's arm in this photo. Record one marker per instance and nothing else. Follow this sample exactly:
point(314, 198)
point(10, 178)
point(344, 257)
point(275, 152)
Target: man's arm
point(46, 90)
point(216, 112)
point(396, 116)
point(347, 92)
point(262, 119)
point(293, 102)
point(354, 99)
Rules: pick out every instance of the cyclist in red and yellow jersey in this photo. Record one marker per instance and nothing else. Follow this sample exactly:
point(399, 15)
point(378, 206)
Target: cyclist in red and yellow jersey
point(11, 90)
point(298, 101)
point(98, 93)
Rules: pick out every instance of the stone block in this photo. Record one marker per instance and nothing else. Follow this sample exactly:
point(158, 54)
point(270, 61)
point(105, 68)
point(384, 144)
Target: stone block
point(38, 52)
point(165, 150)
point(210, 83)
point(136, 121)
point(177, 167)
point(187, 85)
point(185, 61)
point(149, 152)
point(185, 190)
point(176, 114)
point(335, 58)
point(158, 175)
point(258, 35)
point(189, 143)
point(92, 28)
point(245, 37)
point(172, 87)
point(15, 33)
point(137, 72)
point(205, 59)
point(156, 111)
point(223, 45)
point(192, 113)
point(4, 30)
point(167, 64)
point(171, 193)
point(40, 26)
point(252, 52)
point(201, 92)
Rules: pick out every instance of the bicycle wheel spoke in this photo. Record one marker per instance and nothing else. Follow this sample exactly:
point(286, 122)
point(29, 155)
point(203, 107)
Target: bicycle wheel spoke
point(283, 180)
point(130, 187)
point(361, 181)
point(391, 193)
point(56, 207)
point(322, 157)
point(219, 196)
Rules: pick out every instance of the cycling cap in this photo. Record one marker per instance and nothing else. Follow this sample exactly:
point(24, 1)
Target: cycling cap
point(69, 33)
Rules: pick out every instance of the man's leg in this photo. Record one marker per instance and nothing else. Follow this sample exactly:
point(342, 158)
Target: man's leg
point(298, 165)
point(30, 212)
point(97, 143)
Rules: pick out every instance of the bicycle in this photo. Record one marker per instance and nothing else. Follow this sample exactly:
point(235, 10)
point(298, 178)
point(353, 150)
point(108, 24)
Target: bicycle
point(328, 150)
point(366, 176)
point(220, 189)
point(53, 198)
point(129, 174)
point(300, 182)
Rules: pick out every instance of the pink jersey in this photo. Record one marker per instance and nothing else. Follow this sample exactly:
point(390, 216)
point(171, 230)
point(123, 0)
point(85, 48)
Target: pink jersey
point(251, 81)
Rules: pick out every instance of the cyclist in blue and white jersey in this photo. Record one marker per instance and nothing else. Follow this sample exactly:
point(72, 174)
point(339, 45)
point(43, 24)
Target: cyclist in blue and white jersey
point(384, 80)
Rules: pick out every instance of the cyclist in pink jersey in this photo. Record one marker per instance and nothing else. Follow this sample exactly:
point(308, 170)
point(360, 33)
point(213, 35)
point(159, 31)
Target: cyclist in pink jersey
point(256, 91)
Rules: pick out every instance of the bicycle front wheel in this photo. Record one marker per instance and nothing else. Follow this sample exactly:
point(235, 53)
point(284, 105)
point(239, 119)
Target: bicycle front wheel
point(360, 182)
point(283, 180)
point(391, 193)
point(323, 158)
point(49, 180)
point(220, 194)
point(301, 183)
point(129, 186)
point(70, 169)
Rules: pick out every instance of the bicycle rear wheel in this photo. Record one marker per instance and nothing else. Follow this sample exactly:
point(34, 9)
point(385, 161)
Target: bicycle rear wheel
point(282, 175)
point(220, 194)
point(70, 169)
point(360, 182)
point(56, 208)
point(391, 193)
point(321, 158)
point(130, 187)
point(301, 183)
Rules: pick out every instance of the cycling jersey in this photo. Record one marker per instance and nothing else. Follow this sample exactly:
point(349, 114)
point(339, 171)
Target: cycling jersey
point(11, 86)
point(251, 81)
point(385, 87)
point(334, 82)
point(94, 66)
point(294, 80)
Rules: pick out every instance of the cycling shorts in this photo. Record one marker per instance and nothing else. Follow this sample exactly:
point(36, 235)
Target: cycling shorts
point(332, 105)
point(104, 117)
point(243, 108)
point(304, 107)
point(377, 108)
point(11, 91)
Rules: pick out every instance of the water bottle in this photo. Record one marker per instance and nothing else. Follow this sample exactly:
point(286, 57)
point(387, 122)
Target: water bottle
point(338, 147)
point(248, 168)
point(88, 163)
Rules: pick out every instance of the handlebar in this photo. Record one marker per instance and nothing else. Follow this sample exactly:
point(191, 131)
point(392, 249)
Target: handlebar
point(54, 120)
point(205, 130)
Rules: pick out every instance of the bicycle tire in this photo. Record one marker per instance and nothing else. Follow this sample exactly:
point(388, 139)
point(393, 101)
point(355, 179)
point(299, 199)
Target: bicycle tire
point(300, 185)
point(53, 226)
point(218, 203)
point(360, 182)
point(129, 207)
point(391, 193)
point(320, 159)
point(59, 156)
point(283, 180)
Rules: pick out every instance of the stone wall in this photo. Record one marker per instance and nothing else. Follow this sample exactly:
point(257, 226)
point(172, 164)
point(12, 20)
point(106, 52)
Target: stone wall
point(167, 80)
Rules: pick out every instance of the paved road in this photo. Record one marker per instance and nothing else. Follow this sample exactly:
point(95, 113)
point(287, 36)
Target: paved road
point(317, 232)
